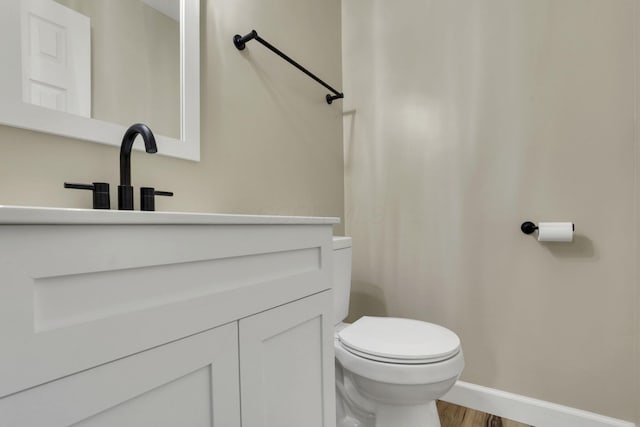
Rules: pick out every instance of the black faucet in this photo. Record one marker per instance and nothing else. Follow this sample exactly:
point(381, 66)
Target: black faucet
point(125, 189)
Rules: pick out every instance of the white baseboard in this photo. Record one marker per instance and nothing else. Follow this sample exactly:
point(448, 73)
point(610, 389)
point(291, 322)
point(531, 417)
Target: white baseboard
point(538, 413)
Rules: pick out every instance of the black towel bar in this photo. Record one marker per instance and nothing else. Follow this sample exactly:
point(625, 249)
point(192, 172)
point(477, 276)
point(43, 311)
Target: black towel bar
point(240, 42)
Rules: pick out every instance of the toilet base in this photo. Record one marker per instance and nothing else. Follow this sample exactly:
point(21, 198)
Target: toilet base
point(407, 416)
point(394, 416)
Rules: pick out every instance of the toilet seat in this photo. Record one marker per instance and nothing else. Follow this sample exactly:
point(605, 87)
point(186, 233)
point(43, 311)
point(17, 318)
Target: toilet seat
point(399, 373)
point(399, 341)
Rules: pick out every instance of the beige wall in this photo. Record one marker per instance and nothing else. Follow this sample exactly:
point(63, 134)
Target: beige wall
point(463, 119)
point(270, 143)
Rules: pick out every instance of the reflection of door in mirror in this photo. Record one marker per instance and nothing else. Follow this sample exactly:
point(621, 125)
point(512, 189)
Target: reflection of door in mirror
point(56, 57)
point(135, 61)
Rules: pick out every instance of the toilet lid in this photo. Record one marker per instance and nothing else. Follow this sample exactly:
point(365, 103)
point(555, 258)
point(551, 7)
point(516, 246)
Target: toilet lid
point(394, 340)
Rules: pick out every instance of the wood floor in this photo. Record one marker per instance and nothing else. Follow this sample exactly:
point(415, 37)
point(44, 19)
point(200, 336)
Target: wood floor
point(457, 416)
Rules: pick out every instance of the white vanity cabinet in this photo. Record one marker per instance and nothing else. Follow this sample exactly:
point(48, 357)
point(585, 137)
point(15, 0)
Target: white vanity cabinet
point(158, 319)
point(285, 355)
point(190, 382)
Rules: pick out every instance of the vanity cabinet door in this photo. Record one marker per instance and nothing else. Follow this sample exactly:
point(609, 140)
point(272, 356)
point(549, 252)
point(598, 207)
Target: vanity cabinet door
point(189, 382)
point(287, 365)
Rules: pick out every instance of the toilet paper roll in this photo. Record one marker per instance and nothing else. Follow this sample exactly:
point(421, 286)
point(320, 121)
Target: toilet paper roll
point(555, 231)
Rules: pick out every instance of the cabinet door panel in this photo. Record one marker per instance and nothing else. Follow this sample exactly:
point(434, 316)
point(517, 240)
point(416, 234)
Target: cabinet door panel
point(190, 382)
point(287, 367)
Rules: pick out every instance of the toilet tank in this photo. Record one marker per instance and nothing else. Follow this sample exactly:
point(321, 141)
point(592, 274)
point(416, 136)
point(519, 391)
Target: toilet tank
point(341, 277)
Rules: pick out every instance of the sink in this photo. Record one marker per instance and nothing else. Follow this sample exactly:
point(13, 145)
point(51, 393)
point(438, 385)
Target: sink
point(45, 215)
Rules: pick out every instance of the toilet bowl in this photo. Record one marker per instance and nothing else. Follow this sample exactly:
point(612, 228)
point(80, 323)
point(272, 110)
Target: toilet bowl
point(389, 371)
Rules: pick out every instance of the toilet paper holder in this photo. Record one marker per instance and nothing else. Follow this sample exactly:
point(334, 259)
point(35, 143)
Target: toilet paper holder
point(529, 227)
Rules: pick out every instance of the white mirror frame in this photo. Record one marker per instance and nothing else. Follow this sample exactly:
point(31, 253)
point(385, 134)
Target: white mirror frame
point(14, 112)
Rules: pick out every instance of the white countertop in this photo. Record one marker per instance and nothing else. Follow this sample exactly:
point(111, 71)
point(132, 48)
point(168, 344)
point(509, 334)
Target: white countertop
point(42, 215)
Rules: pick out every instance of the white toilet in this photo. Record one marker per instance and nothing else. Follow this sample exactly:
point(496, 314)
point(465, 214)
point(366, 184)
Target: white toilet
point(389, 371)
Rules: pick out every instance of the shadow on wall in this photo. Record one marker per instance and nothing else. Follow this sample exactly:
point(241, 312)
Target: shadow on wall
point(581, 247)
point(366, 300)
point(349, 123)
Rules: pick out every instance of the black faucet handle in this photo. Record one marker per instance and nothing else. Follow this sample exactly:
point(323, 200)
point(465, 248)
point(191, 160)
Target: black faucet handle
point(148, 199)
point(100, 190)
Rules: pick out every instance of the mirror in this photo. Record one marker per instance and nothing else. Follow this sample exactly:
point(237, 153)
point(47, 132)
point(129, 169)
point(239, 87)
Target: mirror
point(100, 66)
